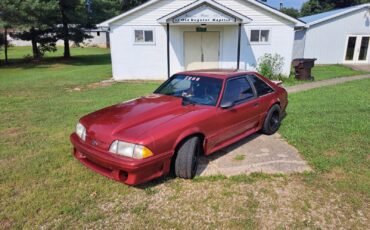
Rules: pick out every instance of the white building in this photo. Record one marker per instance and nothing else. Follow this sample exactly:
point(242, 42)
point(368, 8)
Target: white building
point(162, 37)
point(99, 38)
point(335, 37)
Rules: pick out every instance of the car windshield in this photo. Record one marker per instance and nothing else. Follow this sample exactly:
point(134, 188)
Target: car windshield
point(193, 89)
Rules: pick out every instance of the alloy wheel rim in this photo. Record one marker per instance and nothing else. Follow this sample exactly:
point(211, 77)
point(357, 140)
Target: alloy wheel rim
point(274, 121)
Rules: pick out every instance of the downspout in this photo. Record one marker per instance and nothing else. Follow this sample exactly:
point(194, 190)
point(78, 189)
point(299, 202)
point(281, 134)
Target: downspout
point(239, 40)
point(168, 52)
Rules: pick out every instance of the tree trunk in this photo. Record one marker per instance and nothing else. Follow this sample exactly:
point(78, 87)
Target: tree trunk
point(67, 53)
point(35, 49)
point(6, 45)
point(65, 31)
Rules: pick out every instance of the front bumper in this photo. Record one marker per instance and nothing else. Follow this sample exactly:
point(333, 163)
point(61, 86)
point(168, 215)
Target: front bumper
point(123, 169)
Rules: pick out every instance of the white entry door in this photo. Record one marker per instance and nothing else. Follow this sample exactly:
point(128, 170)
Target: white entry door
point(357, 49)
point(201, 50)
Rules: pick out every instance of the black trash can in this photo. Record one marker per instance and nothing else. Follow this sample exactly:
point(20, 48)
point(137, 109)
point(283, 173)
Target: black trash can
point(303, 68)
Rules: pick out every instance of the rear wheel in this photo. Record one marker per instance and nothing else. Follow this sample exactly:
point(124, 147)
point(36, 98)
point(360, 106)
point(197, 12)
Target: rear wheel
point(186, 163)
point(272, 121)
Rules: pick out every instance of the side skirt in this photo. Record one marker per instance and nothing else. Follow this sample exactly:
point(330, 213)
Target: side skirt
point(232, 141)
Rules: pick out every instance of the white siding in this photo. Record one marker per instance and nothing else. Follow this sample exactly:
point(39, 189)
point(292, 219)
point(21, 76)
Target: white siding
point(99, 39)
point(130, 61)
point(281, 42)
point(327, 41)
point(299, 43)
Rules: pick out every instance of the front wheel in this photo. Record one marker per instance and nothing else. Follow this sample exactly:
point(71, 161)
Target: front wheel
point(272, 121)
point(186, 163)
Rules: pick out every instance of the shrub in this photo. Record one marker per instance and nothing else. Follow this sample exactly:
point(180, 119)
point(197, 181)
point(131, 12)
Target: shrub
point(271, 66)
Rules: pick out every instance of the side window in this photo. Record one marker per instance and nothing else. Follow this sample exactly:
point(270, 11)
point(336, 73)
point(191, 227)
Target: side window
point(237, 90)
point(260, 36)
point(144, 36)
point(261, 87)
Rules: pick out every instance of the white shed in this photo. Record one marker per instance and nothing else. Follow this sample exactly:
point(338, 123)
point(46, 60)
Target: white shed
point(335, 37)
point(162, 37)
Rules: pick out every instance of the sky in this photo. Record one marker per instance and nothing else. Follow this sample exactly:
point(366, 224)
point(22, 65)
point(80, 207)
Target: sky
point(287, 3)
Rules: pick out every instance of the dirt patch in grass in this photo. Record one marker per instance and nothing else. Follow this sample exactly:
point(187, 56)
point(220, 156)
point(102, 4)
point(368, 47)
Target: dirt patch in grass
point(335, 174)
point(6, 223)
point(57, 66)
point(140, 81)
point(331, 153)
point(224, 204)
point(108, 83)
point(91, 86)
point(12, 132)
point(100, 85)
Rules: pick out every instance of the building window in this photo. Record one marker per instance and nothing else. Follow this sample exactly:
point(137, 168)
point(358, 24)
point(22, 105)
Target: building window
point(98, 33)
point(260, 36)
point(144, 36)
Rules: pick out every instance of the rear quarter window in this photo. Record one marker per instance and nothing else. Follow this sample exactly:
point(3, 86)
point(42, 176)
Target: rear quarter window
point(261, 87)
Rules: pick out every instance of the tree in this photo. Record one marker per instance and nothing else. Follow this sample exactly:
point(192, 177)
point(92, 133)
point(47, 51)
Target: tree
point(102, 10)
point(6, 17)
point(78, 15)
point(4, 40)
point(345, 3)
point(129, 4)
point(42, 40)
point(74, 19)
point(315, 6)
point(291, 12)
point(36, 21)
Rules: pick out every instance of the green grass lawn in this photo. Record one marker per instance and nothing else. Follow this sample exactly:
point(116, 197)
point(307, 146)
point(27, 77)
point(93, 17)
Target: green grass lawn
point(324, 72)
point(42, 185)
point(22, 52)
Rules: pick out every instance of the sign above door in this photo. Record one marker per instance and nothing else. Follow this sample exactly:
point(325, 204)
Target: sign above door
point(204, 14)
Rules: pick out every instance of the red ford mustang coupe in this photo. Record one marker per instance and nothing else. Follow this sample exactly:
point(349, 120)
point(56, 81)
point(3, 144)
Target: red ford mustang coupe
point(192, 113)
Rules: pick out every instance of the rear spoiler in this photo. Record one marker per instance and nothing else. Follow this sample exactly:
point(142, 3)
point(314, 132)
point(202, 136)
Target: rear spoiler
point(278, 82)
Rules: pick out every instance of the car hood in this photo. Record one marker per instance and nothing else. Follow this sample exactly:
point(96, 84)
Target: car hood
point(129, 120)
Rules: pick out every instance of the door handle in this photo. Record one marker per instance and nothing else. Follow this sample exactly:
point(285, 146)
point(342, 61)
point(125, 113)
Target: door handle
point(256, 104)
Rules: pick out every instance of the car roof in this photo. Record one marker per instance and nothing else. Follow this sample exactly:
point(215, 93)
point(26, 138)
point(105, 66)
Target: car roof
point(216, 73)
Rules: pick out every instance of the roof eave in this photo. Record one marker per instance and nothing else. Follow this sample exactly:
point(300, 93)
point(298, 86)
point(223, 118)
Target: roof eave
point(277, 12)
point(148, 3)
point(110, 21)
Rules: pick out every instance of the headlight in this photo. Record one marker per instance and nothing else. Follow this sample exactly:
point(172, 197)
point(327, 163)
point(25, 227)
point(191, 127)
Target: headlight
point(130, 150)
point(81, 131)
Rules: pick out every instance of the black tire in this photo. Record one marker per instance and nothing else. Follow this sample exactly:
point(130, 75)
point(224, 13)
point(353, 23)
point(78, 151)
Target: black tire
point(186, 162)
point(272, 120)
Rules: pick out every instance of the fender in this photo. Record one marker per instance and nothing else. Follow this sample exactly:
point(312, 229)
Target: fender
point(187, 133)
point(262, 117)
point(273, 102)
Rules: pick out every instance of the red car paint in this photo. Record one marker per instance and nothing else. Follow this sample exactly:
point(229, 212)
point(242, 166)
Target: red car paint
point(161, 122)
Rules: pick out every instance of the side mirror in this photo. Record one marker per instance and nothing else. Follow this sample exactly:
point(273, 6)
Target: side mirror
point(227, 105)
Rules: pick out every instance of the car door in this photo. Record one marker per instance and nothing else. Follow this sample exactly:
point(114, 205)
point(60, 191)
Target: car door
point(242, 116)
point(265, 94)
